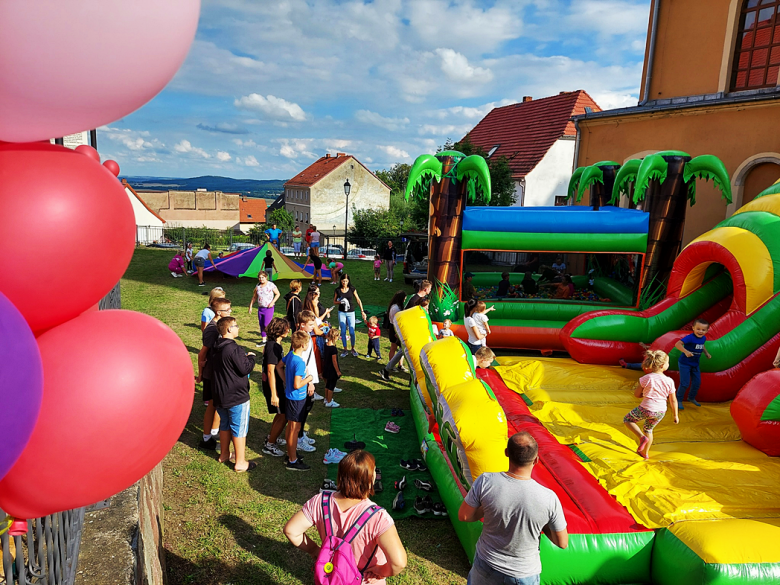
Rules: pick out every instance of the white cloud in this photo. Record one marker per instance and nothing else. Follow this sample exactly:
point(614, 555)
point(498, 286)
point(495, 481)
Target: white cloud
point(135, 140)
point(369, 117)
point(450, 130)
point(272, 107)
point(609, 17)
point(296, 147)
point(251, 161)
point(394, 152)
point(456, 67)
point(185, 147)
point(610, 100)
point(223, 156)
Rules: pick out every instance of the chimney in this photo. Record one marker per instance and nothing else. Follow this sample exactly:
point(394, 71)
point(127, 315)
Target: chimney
point(527, 98)
point(338, 154)
point(327, 155)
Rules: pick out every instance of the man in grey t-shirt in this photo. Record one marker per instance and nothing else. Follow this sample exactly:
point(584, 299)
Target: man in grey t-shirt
point(515, 510)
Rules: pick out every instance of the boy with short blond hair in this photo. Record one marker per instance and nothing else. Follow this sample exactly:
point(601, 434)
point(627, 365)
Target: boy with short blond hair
point(297, 387)
point(484, 357)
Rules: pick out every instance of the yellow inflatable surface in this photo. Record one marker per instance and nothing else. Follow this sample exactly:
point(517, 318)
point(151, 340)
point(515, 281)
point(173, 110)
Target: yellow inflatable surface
point(699, 469)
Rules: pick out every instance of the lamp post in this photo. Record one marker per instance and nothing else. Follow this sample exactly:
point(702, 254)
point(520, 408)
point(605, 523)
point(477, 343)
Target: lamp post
point(347, 188)
point(334, 235)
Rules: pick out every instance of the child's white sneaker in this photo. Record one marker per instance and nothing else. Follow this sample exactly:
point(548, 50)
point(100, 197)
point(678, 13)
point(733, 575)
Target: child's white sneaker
point(331, 404)
point(304, 446)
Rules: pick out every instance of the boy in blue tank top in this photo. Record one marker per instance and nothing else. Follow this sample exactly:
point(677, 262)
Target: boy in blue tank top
point(691, 347)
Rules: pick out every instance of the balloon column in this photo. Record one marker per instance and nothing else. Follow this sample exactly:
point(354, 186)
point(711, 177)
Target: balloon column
point(91, 400)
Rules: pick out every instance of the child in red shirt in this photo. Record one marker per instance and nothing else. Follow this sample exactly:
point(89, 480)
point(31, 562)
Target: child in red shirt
point(374, 334)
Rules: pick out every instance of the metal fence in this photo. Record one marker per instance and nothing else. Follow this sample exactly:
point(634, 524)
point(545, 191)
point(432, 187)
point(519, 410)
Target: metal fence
point(48, 553)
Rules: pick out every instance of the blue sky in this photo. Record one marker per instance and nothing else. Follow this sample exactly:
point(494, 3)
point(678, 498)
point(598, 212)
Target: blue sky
point(269, 86)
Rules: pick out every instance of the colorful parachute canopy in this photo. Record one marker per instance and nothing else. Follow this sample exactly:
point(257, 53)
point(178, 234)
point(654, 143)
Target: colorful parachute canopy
point(250, 263)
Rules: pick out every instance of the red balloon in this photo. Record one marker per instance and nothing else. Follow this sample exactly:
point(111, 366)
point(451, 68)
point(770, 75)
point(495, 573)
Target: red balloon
point(117, 393)
point(89, 151)
point(112, 166)
point(87, 224)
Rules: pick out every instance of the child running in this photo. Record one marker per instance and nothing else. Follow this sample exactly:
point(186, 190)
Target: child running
point(654, 389)
point(691, 347)
point(374, 333)
point(377, 267)
point(330, 368)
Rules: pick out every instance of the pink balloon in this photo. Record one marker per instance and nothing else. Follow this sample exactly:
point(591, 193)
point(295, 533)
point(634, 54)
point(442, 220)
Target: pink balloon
point(112, 166)
point(68, 66)
point(117, 392)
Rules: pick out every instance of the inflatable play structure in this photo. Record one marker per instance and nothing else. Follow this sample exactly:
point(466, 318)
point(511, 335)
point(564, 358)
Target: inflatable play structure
point(250, 262)
point(706, 507)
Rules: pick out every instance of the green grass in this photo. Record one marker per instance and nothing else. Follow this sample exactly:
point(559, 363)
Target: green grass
point(225, 528)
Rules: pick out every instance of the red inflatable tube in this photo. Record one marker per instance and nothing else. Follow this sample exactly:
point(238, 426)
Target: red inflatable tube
point(505, 336)
point(750, 406)
point(570, 480)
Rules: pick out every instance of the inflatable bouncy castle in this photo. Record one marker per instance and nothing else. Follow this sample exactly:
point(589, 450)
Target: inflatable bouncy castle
point(706, 507)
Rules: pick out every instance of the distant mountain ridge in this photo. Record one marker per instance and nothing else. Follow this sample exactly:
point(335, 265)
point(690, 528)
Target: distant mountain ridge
point(251, 187)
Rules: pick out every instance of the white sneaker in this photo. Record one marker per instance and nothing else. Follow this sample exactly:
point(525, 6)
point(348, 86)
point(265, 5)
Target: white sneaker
point(385, 280)
point(331, 404)
point(333, 456)
point(336, 390)
point(273, 450)
point(280, 441)
point(304, 446)
point(318, 396)
point(344, 353)
point(391, 280)
point(307, 438)
point(173, 274)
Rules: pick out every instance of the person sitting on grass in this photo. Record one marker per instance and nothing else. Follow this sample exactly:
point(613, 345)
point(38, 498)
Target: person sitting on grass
point(484, 357)
point(377, 549)
point(296, 388)
point(273, 383)
point(231, 394)
point(176, 265)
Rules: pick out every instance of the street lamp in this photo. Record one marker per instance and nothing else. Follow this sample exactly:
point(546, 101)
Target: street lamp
point(347, 188)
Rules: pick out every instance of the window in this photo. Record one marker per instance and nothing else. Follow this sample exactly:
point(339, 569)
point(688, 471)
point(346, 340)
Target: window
point(296, 215)
point(757, 54)
point(307, 218)
point(493, 150)
point(560, 201)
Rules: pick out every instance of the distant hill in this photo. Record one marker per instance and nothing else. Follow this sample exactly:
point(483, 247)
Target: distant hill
point(251, 187)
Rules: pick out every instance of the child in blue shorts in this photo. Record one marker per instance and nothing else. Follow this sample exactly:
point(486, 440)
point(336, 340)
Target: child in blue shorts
point(691, 347)
point(298, 384)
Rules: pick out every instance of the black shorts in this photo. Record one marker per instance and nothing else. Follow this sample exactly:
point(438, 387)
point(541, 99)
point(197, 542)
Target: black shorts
point(391, 334)
point(206, 390)
point(295, 410)
point(330, 381)
point(282, 398)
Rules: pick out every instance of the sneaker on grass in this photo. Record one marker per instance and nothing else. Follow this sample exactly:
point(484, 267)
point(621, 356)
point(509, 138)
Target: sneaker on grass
point(272, 450)
point(423, 485)
point(421, 505)
point(305, 446)
point(355, 353)
point(385, 375)
point(336, 390)
point(331, 404)
point(297, 465)
point(398, 501)
point(316, 396)
point(281, 442)
point(344, 353)
point(307, 438)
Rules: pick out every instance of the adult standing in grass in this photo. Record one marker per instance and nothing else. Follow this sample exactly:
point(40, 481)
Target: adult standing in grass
point(266, 294)
point(297, 238)
point(389, 257)
point(200, 262)
point(273, 234)
point(346, 297)
point(377, 548)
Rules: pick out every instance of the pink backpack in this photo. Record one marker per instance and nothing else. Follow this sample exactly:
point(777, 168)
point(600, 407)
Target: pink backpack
point(336, 564)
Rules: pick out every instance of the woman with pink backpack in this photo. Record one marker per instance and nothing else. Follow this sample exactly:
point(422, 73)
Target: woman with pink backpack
point(360, 543)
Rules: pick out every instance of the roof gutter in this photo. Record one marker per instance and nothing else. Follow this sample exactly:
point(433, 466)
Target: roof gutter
point(651, 51)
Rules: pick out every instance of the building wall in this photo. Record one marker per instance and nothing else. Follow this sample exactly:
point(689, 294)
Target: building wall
point(743, 136)
point(689, 52)
point(213, 209)
point(297, 201)
point(142, 215)
point(328, 203)
point(550, 178)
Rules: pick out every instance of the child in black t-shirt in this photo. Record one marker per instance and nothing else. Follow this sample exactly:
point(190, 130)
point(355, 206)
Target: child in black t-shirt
point(293, 303)
point(273, 384)
point(330, 367)
point(268, 264)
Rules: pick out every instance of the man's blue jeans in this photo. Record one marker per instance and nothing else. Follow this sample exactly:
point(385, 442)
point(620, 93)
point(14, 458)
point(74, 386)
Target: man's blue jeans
point(483, 574)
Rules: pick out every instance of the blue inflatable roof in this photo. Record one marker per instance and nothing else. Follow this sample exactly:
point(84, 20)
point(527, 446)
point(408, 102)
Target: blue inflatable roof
point(569, 219)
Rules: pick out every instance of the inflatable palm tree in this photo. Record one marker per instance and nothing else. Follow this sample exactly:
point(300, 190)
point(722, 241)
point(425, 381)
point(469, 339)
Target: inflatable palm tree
point(450, 179)
point(599, 178)
point(665, 184)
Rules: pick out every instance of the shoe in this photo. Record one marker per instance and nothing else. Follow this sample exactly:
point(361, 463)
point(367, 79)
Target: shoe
point(680, 406)
point(328, 486)
point(407, 464)
point(272, 450)
point(354, 444)
point(397, 412)
point(398, 501)
point(378, 473)
point(304, 446)
point(173, 274)
point(439, 509)
point(297, 466)
point(336, 390)
point(331, 404)
point(420, 505)
point(333, 456)
point(403, 369)
point(201, 284)
point(210, 445)
point(425, 486)
point(316, 396)
point(419, 465)
point(307, 438)
point(622, 363)
point(385, 280)
point(385, 375)
point(391, 280)
point(694, 402)
point(368, 355)
point(391, 427)
point(378, 487)
point(355, 353)
point(344, 353)
point(400, 484)
point(281, 442)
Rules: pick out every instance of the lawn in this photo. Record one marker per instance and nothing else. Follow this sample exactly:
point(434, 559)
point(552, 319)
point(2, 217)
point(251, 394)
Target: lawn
point(225, 528)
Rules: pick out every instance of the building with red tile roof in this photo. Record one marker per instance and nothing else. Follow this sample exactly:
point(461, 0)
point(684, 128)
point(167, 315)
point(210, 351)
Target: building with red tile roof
point(537, 136)
point(316, 194)
point(251, 210)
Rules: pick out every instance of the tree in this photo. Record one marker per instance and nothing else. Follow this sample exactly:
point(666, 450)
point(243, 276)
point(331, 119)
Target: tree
point(283, 219)
point(414, 214)
point(501, 182)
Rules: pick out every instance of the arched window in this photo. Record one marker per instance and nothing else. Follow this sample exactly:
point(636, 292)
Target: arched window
point(757, 54)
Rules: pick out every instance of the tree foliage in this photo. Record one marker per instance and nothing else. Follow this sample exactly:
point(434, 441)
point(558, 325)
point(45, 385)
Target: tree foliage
point(283, 219)
point(501, 183)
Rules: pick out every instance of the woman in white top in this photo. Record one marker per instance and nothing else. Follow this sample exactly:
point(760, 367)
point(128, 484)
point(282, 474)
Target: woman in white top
point(200, 262)
point(473, 327)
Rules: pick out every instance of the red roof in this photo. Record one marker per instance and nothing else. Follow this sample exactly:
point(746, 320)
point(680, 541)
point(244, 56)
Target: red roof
point(252, 210)
point(321, 167)
point(524, 132)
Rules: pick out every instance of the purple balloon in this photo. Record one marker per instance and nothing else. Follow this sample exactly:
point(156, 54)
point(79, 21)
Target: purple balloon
point(21, 383)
